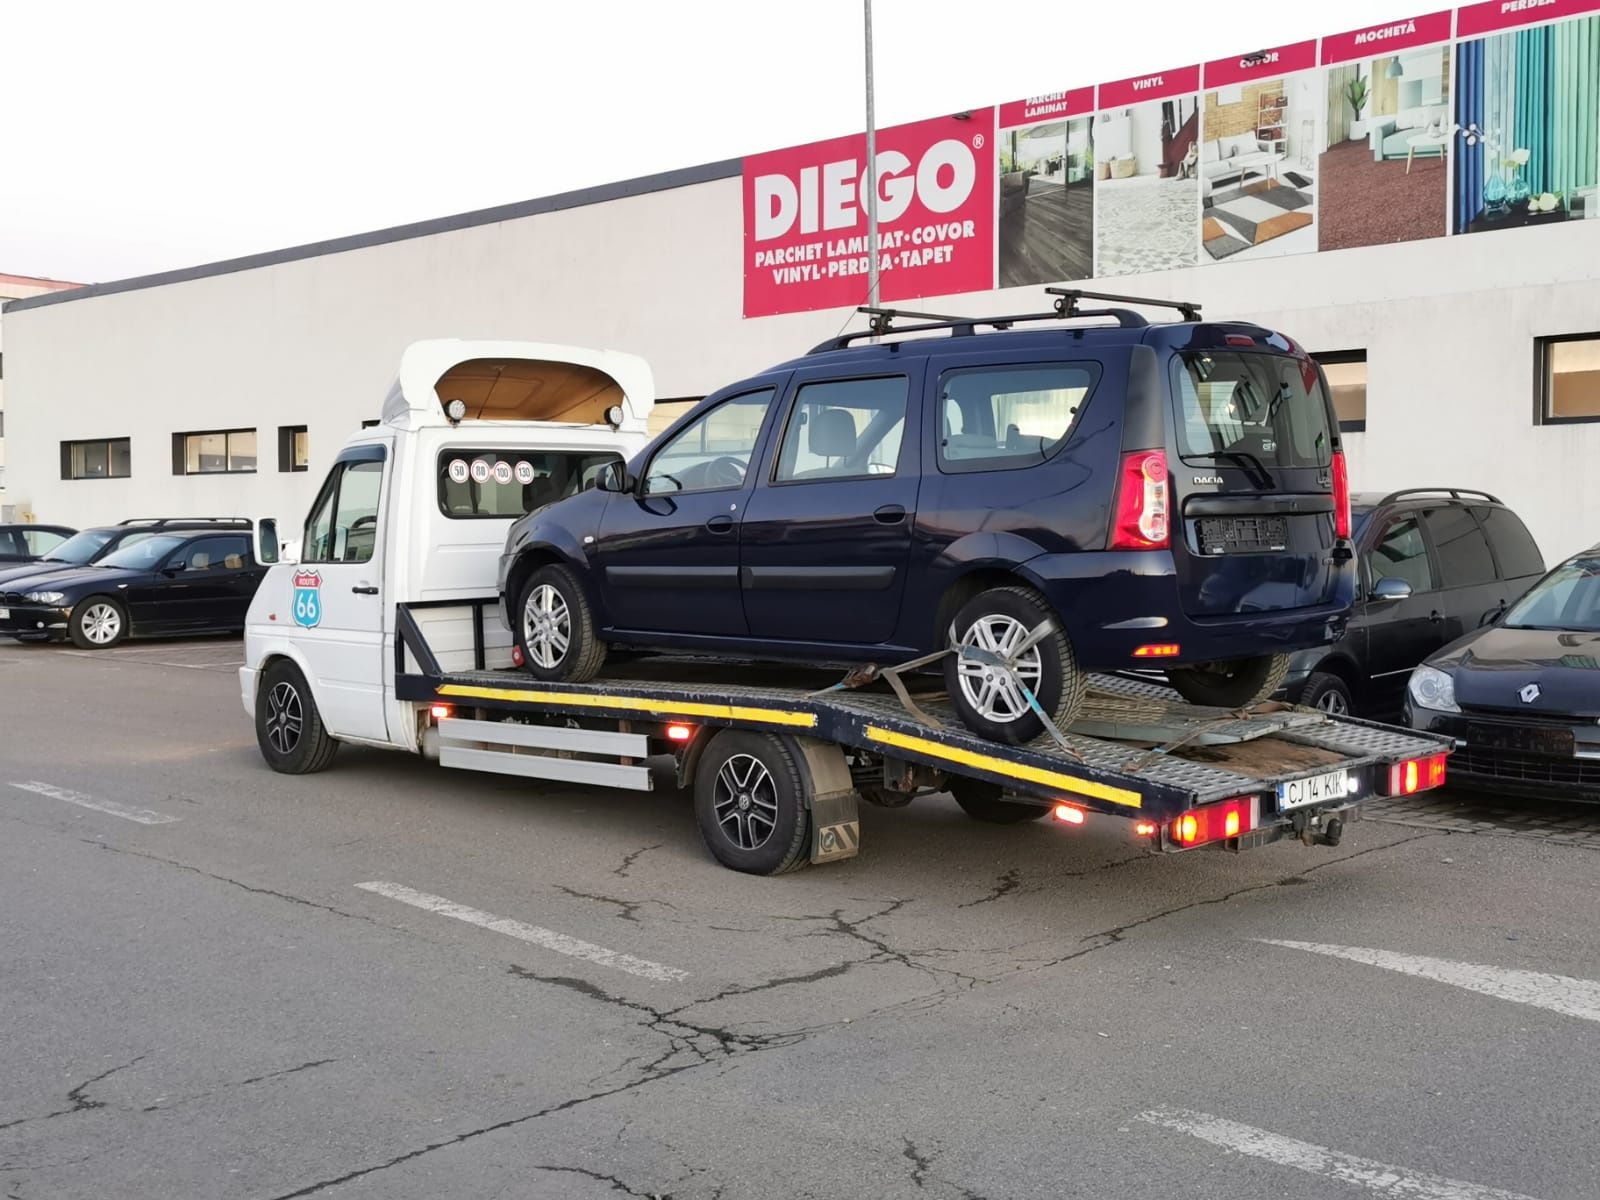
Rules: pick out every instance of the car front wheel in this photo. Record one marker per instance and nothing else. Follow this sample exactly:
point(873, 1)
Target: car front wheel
point(1232, 683)
point(97, 623)
point(989, 698)
point(556, 630)
point(1327, 692)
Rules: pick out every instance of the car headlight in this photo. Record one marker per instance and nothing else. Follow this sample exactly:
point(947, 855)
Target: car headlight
point(45, 597)
point(1433, 688)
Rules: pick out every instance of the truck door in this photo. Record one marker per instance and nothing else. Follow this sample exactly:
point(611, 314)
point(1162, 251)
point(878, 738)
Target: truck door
point(335, 602)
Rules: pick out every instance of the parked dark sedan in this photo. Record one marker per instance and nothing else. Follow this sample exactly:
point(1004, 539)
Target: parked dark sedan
point(1522, 696)
point(177, 582)
point(28, 543)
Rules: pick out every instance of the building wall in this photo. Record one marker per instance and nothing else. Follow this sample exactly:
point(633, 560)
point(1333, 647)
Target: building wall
point(15, 287)
point(1448, 327)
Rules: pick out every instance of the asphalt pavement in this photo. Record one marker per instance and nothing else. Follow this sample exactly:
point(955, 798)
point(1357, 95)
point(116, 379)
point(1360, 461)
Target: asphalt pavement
point(391, 980)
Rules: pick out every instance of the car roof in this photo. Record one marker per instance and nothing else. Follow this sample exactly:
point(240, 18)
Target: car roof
point(1365, 503)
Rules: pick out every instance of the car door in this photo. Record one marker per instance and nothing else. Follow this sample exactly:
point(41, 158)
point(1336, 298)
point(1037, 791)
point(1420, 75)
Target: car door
point(332, 599)
point(192, 588)
point(12, 547)
point(667, 554)
point(826, 538)
point(1401, 633)
point(1472, 588)
point(235, 574)
point(1518, 562)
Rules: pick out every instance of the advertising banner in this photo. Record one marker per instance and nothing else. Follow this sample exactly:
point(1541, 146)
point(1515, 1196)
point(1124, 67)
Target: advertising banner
point(1473, 20)
point(805, 217)
point(1045, 185)
point(1147, 181)
point(1387, 38)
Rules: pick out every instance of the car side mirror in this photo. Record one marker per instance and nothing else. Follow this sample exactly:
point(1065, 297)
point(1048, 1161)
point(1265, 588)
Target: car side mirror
point(266, 541)
point(614, 477)
point(172, 570)
point(1388, 589)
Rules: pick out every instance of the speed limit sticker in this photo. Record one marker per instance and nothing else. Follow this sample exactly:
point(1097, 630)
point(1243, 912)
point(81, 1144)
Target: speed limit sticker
point(458, 470)
point(524, 471)
point(502, 472)
point(480, 470)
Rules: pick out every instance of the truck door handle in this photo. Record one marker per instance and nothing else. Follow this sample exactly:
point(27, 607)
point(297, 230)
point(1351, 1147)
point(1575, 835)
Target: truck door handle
point(364, 589)
point(722, 523)
point(889, 514)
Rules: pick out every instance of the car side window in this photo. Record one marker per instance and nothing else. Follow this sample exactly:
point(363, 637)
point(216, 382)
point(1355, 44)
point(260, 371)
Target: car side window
point(1464, 558)
point(42, 541)
point(1006, 418)
point(713, 451)
point(343, 526)
point(1514, 547)
point(844, 429)
point(10, 543)
point(214, 554)
point(1402, 554)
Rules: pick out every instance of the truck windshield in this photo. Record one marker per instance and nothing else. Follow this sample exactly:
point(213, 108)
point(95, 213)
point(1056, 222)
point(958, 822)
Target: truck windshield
point(1566, 599)
point(1255, 410)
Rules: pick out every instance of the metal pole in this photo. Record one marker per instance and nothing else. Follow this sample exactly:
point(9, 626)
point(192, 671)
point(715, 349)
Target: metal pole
point(872, 176)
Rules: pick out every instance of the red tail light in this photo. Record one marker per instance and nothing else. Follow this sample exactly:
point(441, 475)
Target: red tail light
point(1416, 775)
point(1214, 822)
point(1141, 521)
point(1341, 496)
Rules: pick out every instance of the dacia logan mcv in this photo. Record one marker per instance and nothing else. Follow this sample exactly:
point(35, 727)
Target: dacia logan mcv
point(1167, 495)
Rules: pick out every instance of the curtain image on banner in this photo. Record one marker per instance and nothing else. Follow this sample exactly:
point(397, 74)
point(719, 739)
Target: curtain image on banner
point(1258, 167)
point(1046, 202)
point(1147, 186)
point(1528, 106)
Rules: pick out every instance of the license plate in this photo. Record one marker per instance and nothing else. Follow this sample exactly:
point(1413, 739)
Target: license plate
point(1242, 535)
point(1531, 738)
point(1318, 789)
point(5, 614)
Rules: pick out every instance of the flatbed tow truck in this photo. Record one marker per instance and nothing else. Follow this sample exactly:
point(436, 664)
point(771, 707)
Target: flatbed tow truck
point(778, 758)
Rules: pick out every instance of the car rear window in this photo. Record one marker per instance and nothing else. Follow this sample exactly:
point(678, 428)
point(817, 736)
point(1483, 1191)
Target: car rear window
point(1001, 418)
point(509, 483)
point(1463, 551)
point(1268, 406)
point(1514, 547)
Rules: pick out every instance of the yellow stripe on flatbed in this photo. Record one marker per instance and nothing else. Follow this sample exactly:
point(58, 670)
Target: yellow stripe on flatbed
point(1001, 766)
point(665, 707)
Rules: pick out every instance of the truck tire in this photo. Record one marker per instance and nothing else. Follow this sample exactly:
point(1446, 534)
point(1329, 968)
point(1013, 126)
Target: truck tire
point(555, 628)
point(750, 803)
point(289, 729)
point(97, 623)
point(992, 620)
point(1232, 683)
point(982, 801)
point(1327, 692)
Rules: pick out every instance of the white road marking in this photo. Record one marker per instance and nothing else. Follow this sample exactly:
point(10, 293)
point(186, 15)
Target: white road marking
point(1375, 1176)
point(142, 815)
point(547, 938)
point(1558, 993)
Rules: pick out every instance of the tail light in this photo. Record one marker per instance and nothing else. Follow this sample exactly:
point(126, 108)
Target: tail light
point(1214, 822)
point(1341, 496)
point(1416, 775)
point(679, 732)
point(1069, 813)
point(1141, 521)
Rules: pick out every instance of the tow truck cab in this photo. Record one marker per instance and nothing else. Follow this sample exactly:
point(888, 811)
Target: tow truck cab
point(415, 511)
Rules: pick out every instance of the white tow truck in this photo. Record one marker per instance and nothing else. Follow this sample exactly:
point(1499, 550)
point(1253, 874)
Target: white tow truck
point(389, 632)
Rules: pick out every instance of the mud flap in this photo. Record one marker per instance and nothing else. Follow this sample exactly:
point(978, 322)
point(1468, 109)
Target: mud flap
point(831, 796)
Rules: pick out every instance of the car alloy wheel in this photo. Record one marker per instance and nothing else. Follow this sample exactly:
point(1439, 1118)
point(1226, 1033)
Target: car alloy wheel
point(745, 802)
point(546, 626)
point(992, 691)
point(101, 623)
point(1332, 701)
point(284, 717)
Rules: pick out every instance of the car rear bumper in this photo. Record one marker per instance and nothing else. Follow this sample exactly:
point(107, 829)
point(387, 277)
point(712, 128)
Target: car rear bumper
point(33, 620)
point(1527, 770)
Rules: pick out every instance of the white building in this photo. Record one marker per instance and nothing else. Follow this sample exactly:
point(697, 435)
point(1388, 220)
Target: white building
point(17, 287)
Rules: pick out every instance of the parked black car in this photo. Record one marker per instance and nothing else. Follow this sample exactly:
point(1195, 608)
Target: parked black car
point(92, 544)
point(1522, 696)
point(1169, 495)
point(28, 543)
point(173, 581)
point(1435, 563)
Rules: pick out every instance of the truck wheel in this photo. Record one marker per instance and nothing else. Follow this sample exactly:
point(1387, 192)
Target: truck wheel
point(289, 729)
point(981, 801)
point(986, 699)
point(556, 629)
point(1327, 692)
point(1232, 683)
point(97, 623)
point(750, 802)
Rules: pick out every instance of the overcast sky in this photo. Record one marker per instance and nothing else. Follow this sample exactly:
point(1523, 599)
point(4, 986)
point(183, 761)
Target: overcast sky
point(142, 137)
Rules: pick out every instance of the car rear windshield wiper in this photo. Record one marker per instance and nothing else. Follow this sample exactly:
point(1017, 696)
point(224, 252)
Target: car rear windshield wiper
point(1249, 463)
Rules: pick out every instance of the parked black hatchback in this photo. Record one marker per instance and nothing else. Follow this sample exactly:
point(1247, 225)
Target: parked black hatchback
point(1436, 563)
point(1168, 495)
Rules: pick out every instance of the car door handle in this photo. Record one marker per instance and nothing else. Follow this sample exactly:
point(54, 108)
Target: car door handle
point(722, 523)
point(889, 514)
point(364, 589)
point(1436, 616)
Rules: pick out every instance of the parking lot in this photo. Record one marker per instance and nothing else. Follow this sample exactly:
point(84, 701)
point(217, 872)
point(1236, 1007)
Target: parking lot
point(392, 980)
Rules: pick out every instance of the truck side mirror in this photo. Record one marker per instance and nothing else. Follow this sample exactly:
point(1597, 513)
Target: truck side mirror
point(266, 541)
point(1388, 588)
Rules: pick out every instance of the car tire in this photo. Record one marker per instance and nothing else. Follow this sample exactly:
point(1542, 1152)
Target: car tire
point(1329, 693)
point(555, 628)
point(982, 801)
point(1056, 679)
point(750, 803)
point(289, 729)
point(97, 623)
point(1232, 683)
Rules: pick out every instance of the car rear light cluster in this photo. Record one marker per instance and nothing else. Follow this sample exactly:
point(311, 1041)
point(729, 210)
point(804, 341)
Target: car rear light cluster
point(1341, 495)
point(1142, 520)
point(1416, 775)
point(1214, 822)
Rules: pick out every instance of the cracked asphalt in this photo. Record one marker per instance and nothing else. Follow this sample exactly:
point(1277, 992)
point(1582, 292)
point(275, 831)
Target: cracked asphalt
point(210, 1006)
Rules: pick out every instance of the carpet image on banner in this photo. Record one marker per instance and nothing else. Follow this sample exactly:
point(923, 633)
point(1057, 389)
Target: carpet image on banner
point(1147, 179)
point(1045, 176)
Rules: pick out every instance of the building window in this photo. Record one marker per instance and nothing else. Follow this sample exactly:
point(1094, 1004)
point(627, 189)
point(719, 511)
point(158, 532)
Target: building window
point(1568, 372)
point(1347, 380)
point(294, 448)
point(369, 424)
point(103, 458)
point(215, 452)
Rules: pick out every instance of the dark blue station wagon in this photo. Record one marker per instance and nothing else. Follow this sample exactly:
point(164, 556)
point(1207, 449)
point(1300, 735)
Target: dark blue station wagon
point(1168, 495)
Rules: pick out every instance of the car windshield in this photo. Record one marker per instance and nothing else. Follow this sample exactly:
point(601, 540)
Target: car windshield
point(1568, 598)
point(145, 553)
point(1269, 408)
point(80, 547)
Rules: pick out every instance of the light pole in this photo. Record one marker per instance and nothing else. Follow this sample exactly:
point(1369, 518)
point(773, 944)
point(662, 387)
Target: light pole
point(872, 176)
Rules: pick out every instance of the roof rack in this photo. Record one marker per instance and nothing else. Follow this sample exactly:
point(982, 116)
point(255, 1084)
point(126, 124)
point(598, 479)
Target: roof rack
point(1453, 493)
point(163, 522)
point(1066, 307)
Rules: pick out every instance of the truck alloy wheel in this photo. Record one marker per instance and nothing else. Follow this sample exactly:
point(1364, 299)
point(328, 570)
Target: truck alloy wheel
point(750, 801)
point(289, 729)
